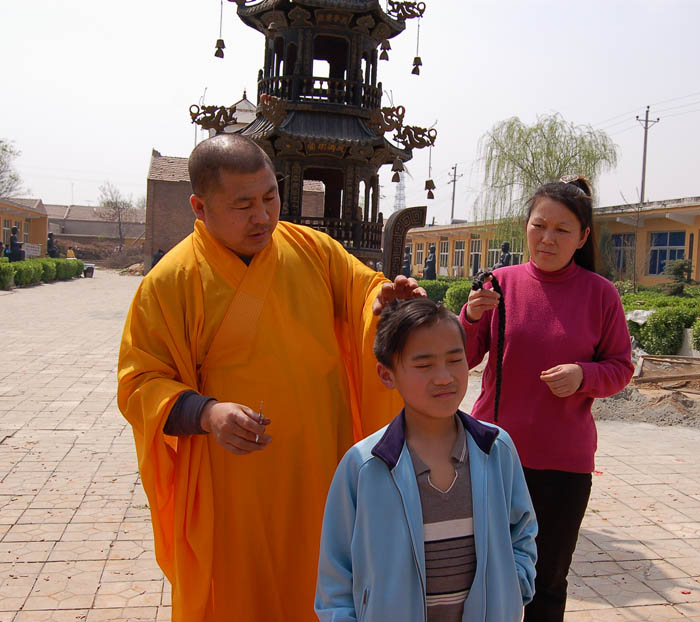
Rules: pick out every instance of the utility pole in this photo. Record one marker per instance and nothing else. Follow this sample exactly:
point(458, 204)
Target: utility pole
point(454, 187)
point(646, 124)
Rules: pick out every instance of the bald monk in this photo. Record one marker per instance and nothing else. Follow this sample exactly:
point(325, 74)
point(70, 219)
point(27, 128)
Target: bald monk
point(246, 371)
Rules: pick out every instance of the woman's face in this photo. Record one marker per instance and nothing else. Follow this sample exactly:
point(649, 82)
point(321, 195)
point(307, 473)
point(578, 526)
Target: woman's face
point(553, 234)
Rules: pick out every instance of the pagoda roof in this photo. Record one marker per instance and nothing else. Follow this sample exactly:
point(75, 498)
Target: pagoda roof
point(251, 11)
point(306, 125)
point(311, 126)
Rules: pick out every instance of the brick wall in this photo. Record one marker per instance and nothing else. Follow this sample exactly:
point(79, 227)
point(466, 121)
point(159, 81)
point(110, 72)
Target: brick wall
point(169, 216)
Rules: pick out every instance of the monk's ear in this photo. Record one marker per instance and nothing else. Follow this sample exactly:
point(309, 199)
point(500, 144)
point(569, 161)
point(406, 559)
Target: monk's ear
point(197, 207)
point(386, 376)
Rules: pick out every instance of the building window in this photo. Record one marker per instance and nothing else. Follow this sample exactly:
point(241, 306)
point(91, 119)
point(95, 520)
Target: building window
point(474, 255)
point(516, 252)
point(458, 259)
point(26, 231)
point(665, 246)
point(624, 244)
point(419, 253)
point(6, 225)
point(493, 254)
point(444, 253)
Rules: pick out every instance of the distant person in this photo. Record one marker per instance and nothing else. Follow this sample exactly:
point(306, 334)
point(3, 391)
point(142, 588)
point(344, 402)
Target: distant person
point(2, 249)
point(566, 343)
point(157, 257)
point(70, 253)
point(432, 509)
point(16, 253)
point(52, 247)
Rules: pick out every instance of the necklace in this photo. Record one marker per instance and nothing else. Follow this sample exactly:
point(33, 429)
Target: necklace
point(444, 492)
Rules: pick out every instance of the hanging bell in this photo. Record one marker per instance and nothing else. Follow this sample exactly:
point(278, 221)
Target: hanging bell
point(396, 178)
point(386, 46)
point(416, 66)
point(429, 184)
point(430, 194)
point(219, 53)
point(397, 166)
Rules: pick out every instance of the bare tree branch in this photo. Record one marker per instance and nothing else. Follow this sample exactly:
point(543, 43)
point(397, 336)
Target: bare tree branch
point(10, 181)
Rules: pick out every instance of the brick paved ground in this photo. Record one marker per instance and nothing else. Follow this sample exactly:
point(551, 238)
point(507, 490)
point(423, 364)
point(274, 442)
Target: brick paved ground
point(75, 539)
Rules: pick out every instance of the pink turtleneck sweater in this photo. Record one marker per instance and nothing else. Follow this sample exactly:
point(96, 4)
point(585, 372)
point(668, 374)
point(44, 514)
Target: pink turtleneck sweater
point(569, 316)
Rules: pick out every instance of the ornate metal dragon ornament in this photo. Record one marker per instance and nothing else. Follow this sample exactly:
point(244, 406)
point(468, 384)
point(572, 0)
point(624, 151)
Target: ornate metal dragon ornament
point(414, 137)
point(410, 136)
point(273, 108)
point(213, 117)
point(387, 119)
point(405, 10)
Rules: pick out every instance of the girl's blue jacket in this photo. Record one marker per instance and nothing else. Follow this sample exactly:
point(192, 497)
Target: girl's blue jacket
point(372, 562)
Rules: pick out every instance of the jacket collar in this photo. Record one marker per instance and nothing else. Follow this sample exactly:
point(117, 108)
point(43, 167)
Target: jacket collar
point(390, 445)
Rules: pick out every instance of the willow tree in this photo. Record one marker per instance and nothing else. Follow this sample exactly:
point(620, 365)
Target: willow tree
point(517, 158)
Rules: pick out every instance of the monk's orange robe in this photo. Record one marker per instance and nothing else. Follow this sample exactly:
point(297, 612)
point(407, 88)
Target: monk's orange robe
point(238, 536)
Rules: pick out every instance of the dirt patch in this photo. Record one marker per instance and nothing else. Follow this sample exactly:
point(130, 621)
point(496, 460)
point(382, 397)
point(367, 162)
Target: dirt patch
point(652, 405)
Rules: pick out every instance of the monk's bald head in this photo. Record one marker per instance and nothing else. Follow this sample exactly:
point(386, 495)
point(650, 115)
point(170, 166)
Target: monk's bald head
point(229, 152)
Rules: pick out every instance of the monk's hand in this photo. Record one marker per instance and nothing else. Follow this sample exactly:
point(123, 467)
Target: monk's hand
point(401, 288)
point(563, 380)
point(235, 427)
point(481, 301)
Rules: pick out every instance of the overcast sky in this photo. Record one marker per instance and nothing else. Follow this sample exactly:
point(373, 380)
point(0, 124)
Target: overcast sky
point(89, 88)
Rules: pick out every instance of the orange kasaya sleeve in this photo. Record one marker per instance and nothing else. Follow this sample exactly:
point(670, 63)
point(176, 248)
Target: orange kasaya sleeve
point(157, 362)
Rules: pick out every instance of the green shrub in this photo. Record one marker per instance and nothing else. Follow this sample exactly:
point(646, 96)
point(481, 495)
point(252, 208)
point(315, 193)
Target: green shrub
point(4, 259)
point(663, 332)
point(695, 336)
point(456, 296)
point(48, 270)
point(27, 272)
point(6, 274)
point(436, 290)
point(624, 287)
point(79, 267)
point(635, 330)
point(64, 269)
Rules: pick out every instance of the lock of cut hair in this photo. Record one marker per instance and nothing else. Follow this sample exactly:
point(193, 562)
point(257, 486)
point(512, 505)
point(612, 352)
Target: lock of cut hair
point(477, 284)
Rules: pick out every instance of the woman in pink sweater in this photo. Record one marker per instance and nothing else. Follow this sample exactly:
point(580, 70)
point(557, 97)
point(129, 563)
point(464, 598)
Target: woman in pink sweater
point(566, 342)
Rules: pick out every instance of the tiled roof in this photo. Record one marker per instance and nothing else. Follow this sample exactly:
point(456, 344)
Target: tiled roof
point(90, 213)
point(35, 205)
point(56, 211)
point(167, 168)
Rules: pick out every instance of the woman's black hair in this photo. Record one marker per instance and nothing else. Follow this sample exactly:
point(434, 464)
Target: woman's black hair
point(400, 318)
point(478, 283)
point(577, 196)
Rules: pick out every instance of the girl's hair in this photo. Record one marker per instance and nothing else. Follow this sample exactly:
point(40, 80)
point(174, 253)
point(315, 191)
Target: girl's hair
point(575, 192)
point(400, 319)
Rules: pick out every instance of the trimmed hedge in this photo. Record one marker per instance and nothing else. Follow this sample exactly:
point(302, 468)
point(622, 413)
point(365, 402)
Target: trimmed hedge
point(436, 290)
point(695, 336)
point(6, 273)
point(32, 271)
point(456, 296)
point(663, 332)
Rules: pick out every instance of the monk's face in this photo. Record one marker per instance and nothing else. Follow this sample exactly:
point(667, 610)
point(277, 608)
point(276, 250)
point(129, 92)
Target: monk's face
point(241, 211)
